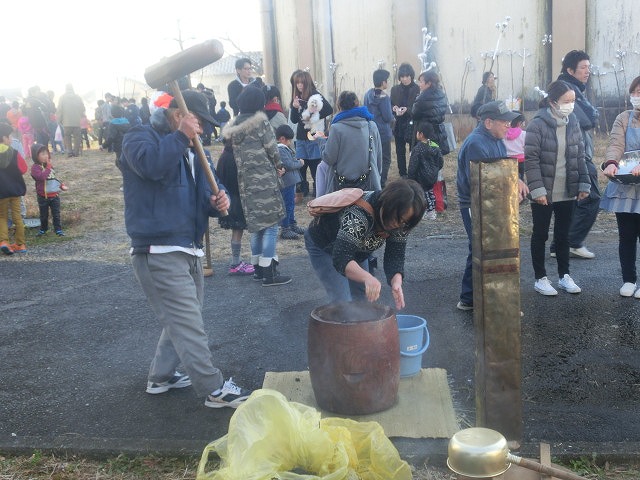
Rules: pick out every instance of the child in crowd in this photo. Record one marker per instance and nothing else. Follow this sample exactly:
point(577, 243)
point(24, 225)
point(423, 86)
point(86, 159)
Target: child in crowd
point(222, 116)
point(425, 162)
point(14, 114)
point(227, 172)
point(85, 127)
point(12, 188)
point(48, 188)
point(26, 131)
point(118, 126)
point(514, 141)
point(272, 108)
point(289, 229)
point(58, 139)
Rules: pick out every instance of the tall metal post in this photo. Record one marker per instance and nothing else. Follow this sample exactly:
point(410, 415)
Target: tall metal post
point(496, 295)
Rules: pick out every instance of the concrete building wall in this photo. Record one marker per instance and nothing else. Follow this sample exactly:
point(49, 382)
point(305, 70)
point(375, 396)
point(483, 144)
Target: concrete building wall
point(361, 35)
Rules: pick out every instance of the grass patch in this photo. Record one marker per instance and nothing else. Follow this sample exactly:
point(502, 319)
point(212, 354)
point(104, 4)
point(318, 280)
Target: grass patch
point(49, 466)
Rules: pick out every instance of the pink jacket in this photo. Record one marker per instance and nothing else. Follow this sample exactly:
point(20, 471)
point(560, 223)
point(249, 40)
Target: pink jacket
point(24, 125)
point(514, 141)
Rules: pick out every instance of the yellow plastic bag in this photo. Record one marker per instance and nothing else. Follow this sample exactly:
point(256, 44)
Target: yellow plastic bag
point(272, 438)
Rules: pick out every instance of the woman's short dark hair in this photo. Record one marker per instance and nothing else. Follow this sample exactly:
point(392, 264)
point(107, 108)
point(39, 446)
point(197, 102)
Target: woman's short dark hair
point(406, 69)
point(347, 100)
point(431, 77)
point(554, 91)
point(634, 84)
point(398, 197)
point(485, 76)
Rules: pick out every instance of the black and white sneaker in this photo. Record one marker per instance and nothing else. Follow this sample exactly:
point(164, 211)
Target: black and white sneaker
point(230, 395)
point(178, 380)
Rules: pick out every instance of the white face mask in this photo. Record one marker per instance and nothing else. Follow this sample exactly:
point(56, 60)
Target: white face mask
point(635, 101)
point(565, 109)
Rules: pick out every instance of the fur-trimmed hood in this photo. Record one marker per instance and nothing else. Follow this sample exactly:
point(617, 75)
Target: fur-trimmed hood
point(242, 124)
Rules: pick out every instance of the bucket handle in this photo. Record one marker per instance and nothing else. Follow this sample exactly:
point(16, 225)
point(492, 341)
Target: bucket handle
point(424, 347)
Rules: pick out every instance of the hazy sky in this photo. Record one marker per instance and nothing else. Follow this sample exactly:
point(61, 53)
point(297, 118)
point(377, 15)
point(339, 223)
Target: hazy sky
point(98, 44)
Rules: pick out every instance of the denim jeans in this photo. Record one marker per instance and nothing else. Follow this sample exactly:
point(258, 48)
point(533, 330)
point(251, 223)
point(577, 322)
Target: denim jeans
point(289, 198)
point(338, 287)
point(263, 244)
point(466, 288)
point(541, 216)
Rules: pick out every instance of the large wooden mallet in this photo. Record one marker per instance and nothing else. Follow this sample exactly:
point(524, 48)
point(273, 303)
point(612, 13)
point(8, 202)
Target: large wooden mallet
point(169, 70)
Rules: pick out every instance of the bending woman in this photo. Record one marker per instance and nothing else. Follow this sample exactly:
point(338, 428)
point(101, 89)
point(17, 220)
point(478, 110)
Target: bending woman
point(340, 243)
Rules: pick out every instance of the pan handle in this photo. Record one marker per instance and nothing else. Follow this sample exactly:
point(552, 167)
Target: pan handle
point(544, 469)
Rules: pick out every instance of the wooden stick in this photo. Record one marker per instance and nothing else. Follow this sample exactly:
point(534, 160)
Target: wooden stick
point(182, 106)
point(207, 271)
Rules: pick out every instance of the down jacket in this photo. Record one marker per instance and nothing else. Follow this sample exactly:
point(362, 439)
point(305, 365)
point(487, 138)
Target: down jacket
point(431, 106)
point(541, 152)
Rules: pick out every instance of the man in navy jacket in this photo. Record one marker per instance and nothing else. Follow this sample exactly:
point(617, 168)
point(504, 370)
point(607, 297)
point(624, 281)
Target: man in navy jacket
point(167, 204)
point(484, 142)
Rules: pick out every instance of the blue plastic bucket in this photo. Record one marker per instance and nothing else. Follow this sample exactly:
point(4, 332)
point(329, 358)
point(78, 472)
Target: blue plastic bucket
point(414, 341)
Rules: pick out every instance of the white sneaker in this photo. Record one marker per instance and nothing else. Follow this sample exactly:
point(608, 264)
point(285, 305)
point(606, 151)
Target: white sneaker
point(544, 287)
point(627, 289)
point(637, 294)
point(581, 252)
point(567, 284)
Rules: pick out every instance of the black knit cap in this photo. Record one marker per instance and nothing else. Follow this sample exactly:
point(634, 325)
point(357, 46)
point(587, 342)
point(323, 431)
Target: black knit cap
point(251, 100)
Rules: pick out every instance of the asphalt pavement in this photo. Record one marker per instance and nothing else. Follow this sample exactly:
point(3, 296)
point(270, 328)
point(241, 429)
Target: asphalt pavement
point(76, 339)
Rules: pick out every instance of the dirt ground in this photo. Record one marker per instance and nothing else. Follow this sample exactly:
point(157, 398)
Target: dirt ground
point(92, 211)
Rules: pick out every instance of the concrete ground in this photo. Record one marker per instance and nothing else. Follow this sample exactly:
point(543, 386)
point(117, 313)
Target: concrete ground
point(76, 339)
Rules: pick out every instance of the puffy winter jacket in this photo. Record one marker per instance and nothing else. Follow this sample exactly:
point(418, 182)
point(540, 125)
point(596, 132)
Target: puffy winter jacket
point(431, 105)
point(541, 153)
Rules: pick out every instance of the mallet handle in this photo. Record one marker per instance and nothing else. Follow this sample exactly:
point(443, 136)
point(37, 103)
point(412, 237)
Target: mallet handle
point(182, 106)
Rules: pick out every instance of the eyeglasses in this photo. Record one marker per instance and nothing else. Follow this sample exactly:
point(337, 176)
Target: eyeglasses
point(401, 229)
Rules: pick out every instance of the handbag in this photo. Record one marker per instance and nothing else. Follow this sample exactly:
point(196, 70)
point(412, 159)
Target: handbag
point(52, 186)
point(451, 136)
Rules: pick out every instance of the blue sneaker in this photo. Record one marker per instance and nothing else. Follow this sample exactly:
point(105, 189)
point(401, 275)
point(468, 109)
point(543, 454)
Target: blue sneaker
point(60, 233)
point(178, 380)
point(41, 233)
